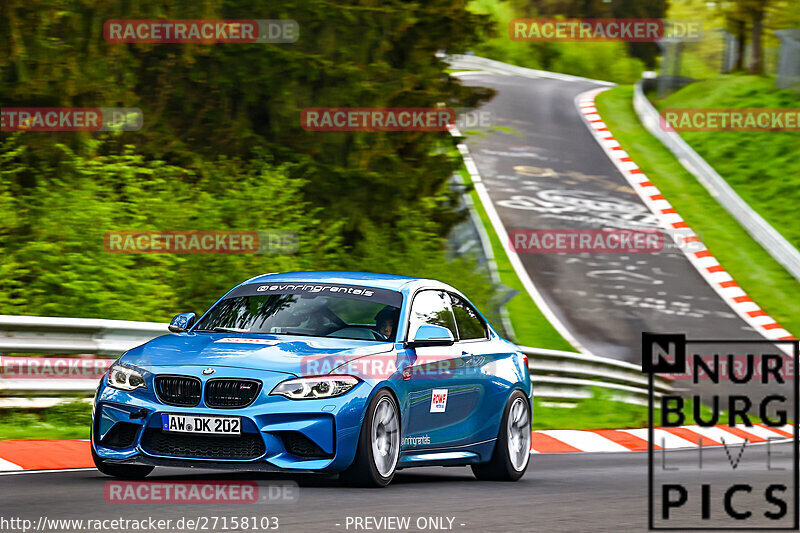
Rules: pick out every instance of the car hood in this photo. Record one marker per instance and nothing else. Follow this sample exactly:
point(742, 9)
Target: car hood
point(289, 354)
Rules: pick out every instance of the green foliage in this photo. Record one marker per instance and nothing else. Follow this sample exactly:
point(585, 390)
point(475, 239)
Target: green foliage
point(764, 280)
point(763, 166)
point(55, 261)
point(71, 420)
point(227, 99)
point(222, 148)
point(600, 411)
point(604, 61)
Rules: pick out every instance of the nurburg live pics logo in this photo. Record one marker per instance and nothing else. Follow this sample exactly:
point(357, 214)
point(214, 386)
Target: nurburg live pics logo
point(730, 385)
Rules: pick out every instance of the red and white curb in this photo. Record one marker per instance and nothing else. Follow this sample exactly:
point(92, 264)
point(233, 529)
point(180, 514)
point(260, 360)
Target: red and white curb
point(16, 455)
point(634, 440)
point(702, 259)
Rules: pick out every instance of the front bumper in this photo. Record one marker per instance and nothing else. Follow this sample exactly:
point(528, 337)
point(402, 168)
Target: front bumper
point(278, 434)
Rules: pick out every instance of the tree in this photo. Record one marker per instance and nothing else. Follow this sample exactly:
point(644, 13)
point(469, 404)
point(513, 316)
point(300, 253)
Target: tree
point(202, 101)
point(629, 9)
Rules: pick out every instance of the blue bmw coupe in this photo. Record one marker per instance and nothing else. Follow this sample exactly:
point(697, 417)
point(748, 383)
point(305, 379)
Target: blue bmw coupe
point(356, 373)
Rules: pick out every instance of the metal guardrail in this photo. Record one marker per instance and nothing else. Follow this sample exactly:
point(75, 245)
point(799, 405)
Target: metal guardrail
point(572, 376)
point(40, 334)
point(556, 375)
point(767, 236)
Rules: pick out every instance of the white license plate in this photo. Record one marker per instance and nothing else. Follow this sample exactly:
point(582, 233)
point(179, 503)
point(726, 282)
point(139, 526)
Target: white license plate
point(215, 425)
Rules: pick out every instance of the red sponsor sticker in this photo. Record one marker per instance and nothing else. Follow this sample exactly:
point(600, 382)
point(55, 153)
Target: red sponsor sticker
point(242, 340)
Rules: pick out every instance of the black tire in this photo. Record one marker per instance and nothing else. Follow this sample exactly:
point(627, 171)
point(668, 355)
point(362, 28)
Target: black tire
point(501, 466)
point(120, 470)
point(364, 472)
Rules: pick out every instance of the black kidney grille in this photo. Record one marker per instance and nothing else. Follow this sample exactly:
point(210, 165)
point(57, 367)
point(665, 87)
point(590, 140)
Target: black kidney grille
point(244, 446)
point(223, 392)
point(183, 391)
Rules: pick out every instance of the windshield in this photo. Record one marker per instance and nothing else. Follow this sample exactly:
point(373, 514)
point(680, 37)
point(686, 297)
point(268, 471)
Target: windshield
point(306, 313)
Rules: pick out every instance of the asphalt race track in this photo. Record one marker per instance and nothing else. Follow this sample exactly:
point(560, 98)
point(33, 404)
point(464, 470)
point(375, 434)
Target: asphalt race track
point(561, 492)
point(544, 170)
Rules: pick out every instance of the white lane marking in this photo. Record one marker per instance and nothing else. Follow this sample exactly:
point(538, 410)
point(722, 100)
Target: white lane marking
point(6, 466)
point(513, 257)
point(467, 73)
point(585, 441)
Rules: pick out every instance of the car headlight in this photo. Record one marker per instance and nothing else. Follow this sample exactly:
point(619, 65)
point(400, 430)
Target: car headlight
point(315, 387)
point(124, 378)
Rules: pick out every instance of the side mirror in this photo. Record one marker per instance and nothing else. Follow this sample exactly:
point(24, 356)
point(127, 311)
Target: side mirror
point(182, 322)
point(430, 335)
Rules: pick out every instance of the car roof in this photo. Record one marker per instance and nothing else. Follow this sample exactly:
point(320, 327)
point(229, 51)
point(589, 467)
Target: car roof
point(371, 279)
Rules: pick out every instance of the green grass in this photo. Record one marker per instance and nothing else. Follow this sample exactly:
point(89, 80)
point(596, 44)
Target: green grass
point(592, 413)
point(66, 421)
point(605, 61)
point(764, 280)
point(531, 328)
point(763, 168)
point(601, 412)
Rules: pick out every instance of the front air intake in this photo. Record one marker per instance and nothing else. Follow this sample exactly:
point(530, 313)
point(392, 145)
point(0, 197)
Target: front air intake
point(181, 391)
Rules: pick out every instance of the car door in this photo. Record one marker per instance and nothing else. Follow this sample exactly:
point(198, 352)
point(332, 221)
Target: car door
point(478, 360)
point(442, 396)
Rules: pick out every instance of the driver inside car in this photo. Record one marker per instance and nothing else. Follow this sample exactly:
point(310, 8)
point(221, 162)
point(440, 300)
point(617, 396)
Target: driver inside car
point(386, 322)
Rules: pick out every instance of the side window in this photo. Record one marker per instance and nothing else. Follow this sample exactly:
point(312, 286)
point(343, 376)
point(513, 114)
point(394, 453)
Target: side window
point(470, 325)
point(431, 307)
